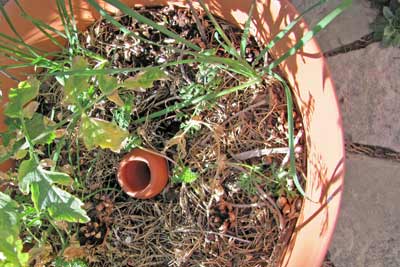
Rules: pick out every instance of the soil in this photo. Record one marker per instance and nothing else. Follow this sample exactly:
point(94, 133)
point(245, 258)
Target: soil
point(217, 220)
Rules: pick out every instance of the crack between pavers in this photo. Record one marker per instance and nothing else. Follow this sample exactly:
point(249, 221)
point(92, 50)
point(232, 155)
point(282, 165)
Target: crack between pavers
point(373, 151)
point(361, 43)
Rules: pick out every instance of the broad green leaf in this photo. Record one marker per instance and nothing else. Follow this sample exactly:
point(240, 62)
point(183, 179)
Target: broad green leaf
point(25, 175)
point(107, 83)
point(246, 31)
point(60, 204)
point(10, 245)
point(96, 132)
point(39, 131)
point(20, 96)
point(75, 84)
point(144, 79)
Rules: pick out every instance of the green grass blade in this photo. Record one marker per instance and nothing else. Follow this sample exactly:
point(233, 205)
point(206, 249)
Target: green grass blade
point(15, 52)
point(19, 42)
point(38, 22)
point(219, 29)
point(283, 33)
point(65, 19)
point(309, 35)
point(151, 23)
point(246, 31)
point(10, 24)
point(292, 158)
point(119, 70)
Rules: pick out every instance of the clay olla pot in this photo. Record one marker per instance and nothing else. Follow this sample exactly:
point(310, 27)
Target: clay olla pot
point(143, 174)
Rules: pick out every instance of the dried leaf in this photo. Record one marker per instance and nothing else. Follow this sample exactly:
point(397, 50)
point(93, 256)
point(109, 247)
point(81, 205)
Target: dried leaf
point(74, 252)
point(47, 163)
point(180, 141)
point(61, 225)
point(115, 98)
point(20, 96)
point(144, 80)
point(30, 109)
point(96, 132)
point(59, 133)
point(4, 176)
point(40, 256)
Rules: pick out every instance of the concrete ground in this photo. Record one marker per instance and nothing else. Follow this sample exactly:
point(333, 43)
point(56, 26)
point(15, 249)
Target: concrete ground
point(368, 87)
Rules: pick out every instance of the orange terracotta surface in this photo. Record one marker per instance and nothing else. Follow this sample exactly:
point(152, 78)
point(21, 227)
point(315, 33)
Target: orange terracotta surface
point(143, 174)
point(314, 91)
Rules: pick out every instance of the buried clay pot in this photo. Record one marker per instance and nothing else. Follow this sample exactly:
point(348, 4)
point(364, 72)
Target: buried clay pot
point(306, 71)
point(143, 174)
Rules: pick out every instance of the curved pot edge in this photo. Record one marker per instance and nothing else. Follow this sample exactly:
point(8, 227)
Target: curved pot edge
point(325, 188)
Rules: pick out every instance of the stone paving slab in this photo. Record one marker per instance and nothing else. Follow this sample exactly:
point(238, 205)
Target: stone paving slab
point(368, 230)
point(368, 87)
point(350, 26)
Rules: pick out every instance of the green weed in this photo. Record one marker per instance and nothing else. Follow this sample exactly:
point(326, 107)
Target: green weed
point(386, 27)
point(183, 174)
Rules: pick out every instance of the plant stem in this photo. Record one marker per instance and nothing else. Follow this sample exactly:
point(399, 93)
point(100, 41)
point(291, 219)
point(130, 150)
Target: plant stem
point(197, 100)
point(29, 140)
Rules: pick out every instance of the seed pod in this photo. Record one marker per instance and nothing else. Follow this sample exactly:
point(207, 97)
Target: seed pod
point(286, 209)
point(281, 202)
point(298, 204)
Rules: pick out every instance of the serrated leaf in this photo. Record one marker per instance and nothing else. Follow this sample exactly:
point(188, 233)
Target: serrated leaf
point(97, 132)
point(115, 98)
point(20, 96)
point(10, 246)
point(107, 83)
point(75, 84)
point(185, 175)
point(60, 204)
point(144, 79)
point(39, 130)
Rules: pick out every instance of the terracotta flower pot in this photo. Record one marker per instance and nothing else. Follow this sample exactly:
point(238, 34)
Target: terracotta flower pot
point(306, 72)
point(143, 174)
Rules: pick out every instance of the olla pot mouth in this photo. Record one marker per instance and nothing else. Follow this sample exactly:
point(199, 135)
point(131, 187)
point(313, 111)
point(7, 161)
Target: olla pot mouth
point(135, 175)
point(143, 174)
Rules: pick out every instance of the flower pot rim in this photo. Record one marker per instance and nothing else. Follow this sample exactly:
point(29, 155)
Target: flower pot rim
point(308, 75)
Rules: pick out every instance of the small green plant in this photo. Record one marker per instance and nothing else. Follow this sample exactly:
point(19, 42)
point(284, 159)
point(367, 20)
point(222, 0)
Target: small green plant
point(387, 27)
point(249, 180)
point(75, 263)
point(183, 174)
